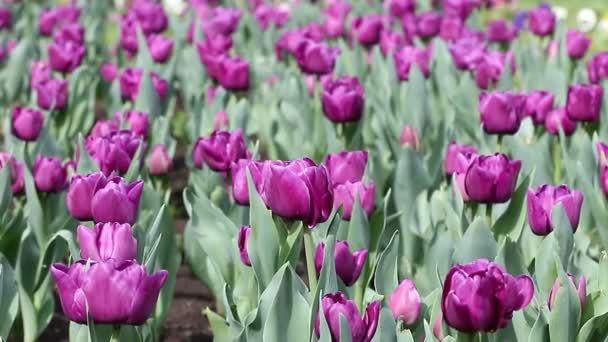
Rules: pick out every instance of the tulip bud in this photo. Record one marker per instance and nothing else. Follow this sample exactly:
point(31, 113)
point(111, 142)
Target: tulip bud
point(129, 294)
point(219, 150)
point(349, 265)
point(244, 233)
point(538, 105)
point(398, 8)
point(128, 34)
point(581, 288)
point(489, 68)
point(481, 296)
point(103, 128)
point(541, 21)
point(343, 100)
point(577, 44)
point(65, 55)
point(233, 73)
point(240, 188)
point(150, 16)
point(405, 302)
point(390, 41)
point(491, 178)
point(224, 21)
point(559, 119)
point(428, 24)
point(107, 241)
point(160, 47)
point(17, 172)
point(316, 58)
point(139, 122)
point(81, 191)
point(52, 94)
point(345, 194)
point(40, 71)
point(117, 201)
point(597, 67)
point(346, 166)
point(409, 137)
point(407, 56)
point(499, 31)
point(584, 102)
point(6, 18)
point(334, 305)
point(130, 80)
point(114, 152)
point(49, 174)
point(159, 161)
point(501, 112)
point(27, 123)
point(108, 71)
point(366, 30)
point(335, 17)
point(452, 163)
point(546, 197)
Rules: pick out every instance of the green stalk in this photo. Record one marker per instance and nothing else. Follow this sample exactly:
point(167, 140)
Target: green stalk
point(115, 333)
point(489, 214)
point(557, 161)
point(310, 260)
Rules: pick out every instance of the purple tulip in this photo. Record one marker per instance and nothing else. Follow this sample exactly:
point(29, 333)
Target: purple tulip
point(66, 55)
point(244, 234)
point(428, 24)
point(212, 50)
point(17, 172)
point(581, 288)
point(409, 55)
point(366, 30)
point(597, 68)
point(6, 19)
point(538, 105)
point(159, 161)
point(233, 73)
point(40, 71)
point(345, 194)
point(408, 26)
point(224, 21)
point(452, 163)
point(316, 58)
point(57, 17)
point(491, 178)
point(160, 47)
point(52, 94)
point(116, 201)
point(336, 305)
point(349, 265)
point(343, 100)
point(481, 296)
point(405, 302)
point(451, 28)
point(128, 34)
point(557, 119)
point(346, 166)
point(541, 21)
point(546, 197)
point(499, 31)
point(27, 123)
point(390, 41)
point(584, 102)
point(49, 174)
point(240, 189)
point(604, 179)
point(490, 67)
point(298, 190)
point(577, 44)
point(409, 137)
point(103, 128)
point(139, 122)
point(115, 151)
point(108, 71)
point(111, 292)
point(501, 112)
point(81, 191)
point(460, 8)
point(73, 32)
point(107, 241)
point(150, 16)
point(467, 53)
point(335, 17)
point(399, 8)
point(220, 150)
point(130, 79)
point(265, 15)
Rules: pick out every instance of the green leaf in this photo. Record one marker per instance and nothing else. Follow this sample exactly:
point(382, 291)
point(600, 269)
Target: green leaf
point(9, 299)
point(136, 163)
point(386, 327)
point(34, 212)
point(509, 255)
point(219, 326)
point(5, 188)
point(512, 220)
point(594, 329)
point(53, 250)
point(345, 334)
point(566, 314)
point(147, 98)
point(563, 233)
point(86, 164)
point(28, 316)
point(603, 276)
point(16, 68)
point(477, 242)
point(539, 332)
point(386, 280)
point(153, 238)
point(545, 269)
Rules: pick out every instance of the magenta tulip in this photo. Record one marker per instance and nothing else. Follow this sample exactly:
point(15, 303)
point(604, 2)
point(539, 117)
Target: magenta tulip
point(491, 178)
point(159, 161)
point(349, 265)
point(558, 119)
point(546, 197)
point(577, 44)
point(343, 100)
point(346, 166)
point(581, 288)
point(244, 234)
point(220, 150)
point(107, 241)
point(584, 102)
point(405, 302)
point(27, 123)
point(52, 94)
point(336, 305)
point(49, 174)
point(116, 201)
point(17, 172)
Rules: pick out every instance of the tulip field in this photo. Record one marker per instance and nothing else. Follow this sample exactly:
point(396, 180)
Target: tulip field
point(336, 171)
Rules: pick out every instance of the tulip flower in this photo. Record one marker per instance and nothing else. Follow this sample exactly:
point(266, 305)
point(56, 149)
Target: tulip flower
point(224, 21)
point(584, 102)
point(581, 288)
point(17, 172)
point(108, 71)
point(52, 94)
point(27, 123)
point(265, 15)
point(577, 44)
point(81, 191)
point(428, 24)
point(65, 55)
point(345, 194)
point(128, 34)
point(160, 47)
point(139, 122)
point(107, 241)
point(538, 105)
point(467, 53)
point(159, 161)
point(407, 56)
point(335, 305)
point(316, 58)
point(451, 28)
point(49, 174)
point(541, 21)
point(452, 164)
point(490, 66)
point(298, 190)
point(349, 265)
point(343, 99)
point(366, 30)
point(240, 189)
point(491, 178)
point(244, 233)
point(233, 73)
point(73, 32)
point(219, 150)
point(335, 17)
point(114, 152)
point(150, 16)
point(111, 292)
point(405, 302)
point(460, 8)
point(56, 17)
point(346, 166)
point(103, 128)
point(546, 197)
point(40, 71)
point(6, 19)
point(481, 296)
point(499, 31)
point(289, 42)
point(597, 67)
point(116, 201)
point(409, 137)
point(399, 8)
point(129, 83)
point(391, 41)
point(501, 112)
point(559, 119)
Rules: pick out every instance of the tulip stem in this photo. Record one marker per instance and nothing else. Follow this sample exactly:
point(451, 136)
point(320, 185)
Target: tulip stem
point(115, 333)
point(489, 214)
point(310, 260)
point(557, 161)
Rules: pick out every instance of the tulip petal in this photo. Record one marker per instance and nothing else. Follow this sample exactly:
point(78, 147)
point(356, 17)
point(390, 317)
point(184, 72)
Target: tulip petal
point(146, 296)
point(525, 287)
point(372, 314)
point(87, 238)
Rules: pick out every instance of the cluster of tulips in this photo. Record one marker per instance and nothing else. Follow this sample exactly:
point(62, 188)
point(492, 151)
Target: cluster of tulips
point(439, 173)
